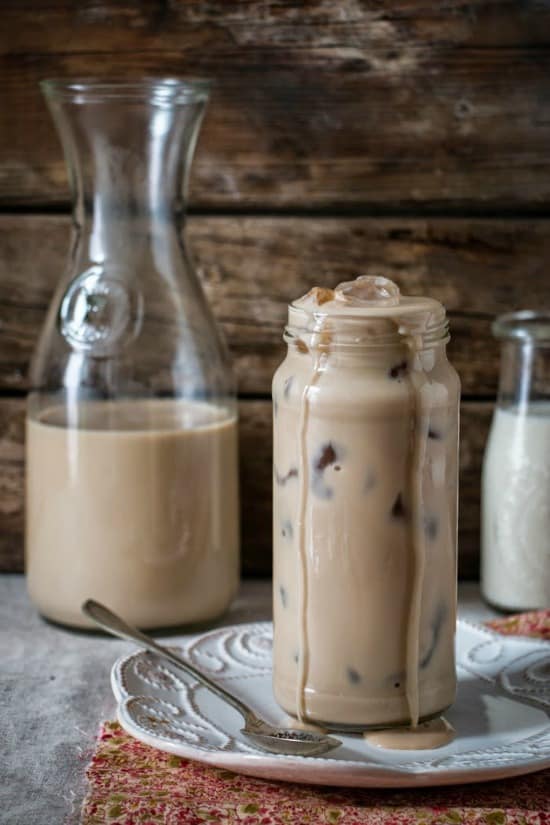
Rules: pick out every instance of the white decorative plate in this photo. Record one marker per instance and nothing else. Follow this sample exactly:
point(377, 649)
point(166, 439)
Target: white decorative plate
point(501, 715)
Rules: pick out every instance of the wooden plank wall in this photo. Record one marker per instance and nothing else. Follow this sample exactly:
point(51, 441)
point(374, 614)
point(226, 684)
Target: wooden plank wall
point(401, 137)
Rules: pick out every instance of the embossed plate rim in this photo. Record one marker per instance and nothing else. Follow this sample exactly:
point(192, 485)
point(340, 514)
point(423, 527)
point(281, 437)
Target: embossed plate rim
point(329, 770)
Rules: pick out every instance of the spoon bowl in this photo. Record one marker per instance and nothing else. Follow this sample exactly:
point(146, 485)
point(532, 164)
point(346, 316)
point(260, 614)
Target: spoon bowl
point(287, 740)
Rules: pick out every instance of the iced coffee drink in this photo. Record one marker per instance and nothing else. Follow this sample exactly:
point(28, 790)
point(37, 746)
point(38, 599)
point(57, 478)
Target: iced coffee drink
point(365, 508)
point(135, 504)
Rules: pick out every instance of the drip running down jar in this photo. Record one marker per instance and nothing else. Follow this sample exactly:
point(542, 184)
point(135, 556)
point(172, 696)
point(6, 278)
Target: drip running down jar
point(365, 508)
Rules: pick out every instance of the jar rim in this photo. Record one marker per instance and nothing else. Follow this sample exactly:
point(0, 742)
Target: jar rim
point(381, 327)
point(152, 89)
point(524, 325)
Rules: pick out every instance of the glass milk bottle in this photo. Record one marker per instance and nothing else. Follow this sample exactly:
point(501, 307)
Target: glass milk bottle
point(515, 561)
point(132, 493)
point(365, 508)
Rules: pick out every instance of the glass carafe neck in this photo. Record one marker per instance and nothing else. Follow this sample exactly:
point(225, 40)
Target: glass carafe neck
point(128, 148)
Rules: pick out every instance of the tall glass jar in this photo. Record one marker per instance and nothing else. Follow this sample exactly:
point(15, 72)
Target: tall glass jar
point(515, 559)
point(365, 508)
point(132, 492)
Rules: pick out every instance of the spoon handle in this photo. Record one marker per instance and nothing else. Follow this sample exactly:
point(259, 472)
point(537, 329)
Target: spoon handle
point(113, 624)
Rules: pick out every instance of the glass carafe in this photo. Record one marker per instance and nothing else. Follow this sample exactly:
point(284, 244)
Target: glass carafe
point(515, 535)
point(132, 491)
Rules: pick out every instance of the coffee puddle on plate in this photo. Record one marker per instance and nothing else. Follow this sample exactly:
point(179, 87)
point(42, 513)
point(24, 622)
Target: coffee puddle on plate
point(425, 736)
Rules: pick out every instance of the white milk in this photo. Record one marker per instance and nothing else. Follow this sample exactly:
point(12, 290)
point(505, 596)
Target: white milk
point(515, 570)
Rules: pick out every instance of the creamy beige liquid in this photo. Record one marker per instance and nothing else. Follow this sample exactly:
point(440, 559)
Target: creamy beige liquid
point(365, 511)
point(426, 736)
point(134, 504)
point(303, 659)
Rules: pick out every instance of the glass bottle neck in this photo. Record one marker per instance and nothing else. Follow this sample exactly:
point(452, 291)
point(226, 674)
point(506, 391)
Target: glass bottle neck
point(524, 374)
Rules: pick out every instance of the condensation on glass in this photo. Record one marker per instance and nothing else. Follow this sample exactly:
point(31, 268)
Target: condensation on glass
point(132, 492)
point(515, 562)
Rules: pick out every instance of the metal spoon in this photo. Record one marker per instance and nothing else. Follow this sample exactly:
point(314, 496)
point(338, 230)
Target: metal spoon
point(276, 740)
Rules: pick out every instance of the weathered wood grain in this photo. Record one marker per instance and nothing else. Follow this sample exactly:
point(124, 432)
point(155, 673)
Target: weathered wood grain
point(256, 475)
point(379, 104)
point(310, 24)
point(251, 268)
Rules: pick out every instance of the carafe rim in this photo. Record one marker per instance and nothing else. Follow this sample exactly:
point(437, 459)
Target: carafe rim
point(171, 90)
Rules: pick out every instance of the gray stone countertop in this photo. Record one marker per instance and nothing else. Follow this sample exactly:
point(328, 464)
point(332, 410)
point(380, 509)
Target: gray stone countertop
point(55, 691)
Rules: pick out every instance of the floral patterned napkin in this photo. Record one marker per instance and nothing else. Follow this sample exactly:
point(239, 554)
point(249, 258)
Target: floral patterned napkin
point(133, 784)
point(536, 623)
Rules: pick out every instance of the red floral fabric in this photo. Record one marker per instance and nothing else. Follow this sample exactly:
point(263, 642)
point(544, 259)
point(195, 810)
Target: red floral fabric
point(132, 784)
point(536, 623)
